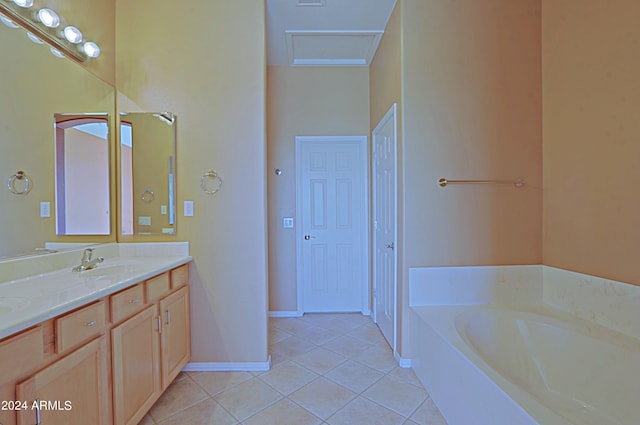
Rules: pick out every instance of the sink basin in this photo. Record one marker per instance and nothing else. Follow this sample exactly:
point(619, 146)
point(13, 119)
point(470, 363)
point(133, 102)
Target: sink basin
point(11, 304)
point(109, 269)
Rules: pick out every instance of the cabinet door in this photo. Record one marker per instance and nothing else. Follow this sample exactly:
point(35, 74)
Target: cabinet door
point(28, 347)
point(176, 334)
point(136, 366)
point(73, 390)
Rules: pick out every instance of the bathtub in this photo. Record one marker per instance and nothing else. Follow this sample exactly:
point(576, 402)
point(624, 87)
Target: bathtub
point(525, 364)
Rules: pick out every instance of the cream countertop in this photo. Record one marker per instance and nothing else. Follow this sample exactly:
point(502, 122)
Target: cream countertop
point(27, 301)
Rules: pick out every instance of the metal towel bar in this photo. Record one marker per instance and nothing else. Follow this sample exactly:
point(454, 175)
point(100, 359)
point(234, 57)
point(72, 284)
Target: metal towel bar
point(517, 183)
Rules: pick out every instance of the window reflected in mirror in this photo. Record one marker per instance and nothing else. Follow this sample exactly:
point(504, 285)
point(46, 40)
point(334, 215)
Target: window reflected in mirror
point(82, 174)
point(147, 173)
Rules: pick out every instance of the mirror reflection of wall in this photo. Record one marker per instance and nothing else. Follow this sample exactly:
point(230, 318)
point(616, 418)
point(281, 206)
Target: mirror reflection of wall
point(34, 86)
point(147, 173)
point(82, 174)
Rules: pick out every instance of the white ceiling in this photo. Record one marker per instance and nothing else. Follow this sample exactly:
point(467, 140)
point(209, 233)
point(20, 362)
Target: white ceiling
point(325, 32)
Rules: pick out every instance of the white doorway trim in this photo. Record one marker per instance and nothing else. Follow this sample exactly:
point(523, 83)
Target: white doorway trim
point(365, 287)
point(389, 117)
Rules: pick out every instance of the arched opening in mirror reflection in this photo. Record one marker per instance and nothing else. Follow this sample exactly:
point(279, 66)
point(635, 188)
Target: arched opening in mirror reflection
point(82, 174)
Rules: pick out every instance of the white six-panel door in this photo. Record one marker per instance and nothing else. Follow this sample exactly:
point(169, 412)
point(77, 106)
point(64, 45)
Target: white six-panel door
point(385, 225)
point(332, 224)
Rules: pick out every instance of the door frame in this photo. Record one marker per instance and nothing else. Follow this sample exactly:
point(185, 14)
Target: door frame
point(392, 114)
point(363, 141)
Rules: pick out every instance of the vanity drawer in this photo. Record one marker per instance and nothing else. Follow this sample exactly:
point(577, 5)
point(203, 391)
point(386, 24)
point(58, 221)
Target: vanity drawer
point(157, 287)
point(127, 302)
point(179, 276)
point(20, 354)
point(79, 326)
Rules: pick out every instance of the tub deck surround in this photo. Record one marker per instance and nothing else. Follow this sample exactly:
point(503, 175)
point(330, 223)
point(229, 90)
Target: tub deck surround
point(549, 347)
point(52, 288)
point(613, 304)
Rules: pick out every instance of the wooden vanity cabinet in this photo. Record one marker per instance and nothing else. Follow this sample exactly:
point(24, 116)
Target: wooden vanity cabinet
point(20, 355)
point(104, 363)
point(67, 379)
point(136, 366)
point(73, 390)
point(175, 338)
point(151, 347)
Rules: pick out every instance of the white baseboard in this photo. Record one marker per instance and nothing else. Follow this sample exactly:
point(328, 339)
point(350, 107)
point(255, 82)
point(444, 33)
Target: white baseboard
point(402, 362)
point(228, 366)
point(292, 313)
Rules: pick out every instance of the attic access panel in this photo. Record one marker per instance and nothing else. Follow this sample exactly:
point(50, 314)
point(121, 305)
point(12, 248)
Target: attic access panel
point(332, 48)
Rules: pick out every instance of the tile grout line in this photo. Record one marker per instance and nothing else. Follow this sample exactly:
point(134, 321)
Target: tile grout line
point(300, 329)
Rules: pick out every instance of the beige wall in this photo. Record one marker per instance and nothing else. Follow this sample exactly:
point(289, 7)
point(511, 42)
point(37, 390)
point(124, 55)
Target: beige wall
point(471, 109)
point(206, 63)
point(303, 102)
point(591, 92)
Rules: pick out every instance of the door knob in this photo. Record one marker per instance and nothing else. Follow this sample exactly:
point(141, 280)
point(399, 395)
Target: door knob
point(307, 237)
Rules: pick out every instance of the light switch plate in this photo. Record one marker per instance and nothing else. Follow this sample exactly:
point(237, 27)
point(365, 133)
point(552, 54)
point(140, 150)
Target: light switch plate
point(163, 209)
point(287, 222)
point(45, 209)
point(188, 208)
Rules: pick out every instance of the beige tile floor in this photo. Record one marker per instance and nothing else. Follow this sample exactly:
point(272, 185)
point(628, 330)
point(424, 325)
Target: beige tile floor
point(325, 369)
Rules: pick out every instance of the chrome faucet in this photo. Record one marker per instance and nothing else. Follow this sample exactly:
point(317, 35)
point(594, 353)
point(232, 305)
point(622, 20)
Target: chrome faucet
point(87, 263)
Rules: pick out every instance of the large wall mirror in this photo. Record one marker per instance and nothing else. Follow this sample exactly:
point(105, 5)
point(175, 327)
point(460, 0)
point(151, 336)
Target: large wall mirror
point(147, 173)
point(35, 86)
point(82, 174)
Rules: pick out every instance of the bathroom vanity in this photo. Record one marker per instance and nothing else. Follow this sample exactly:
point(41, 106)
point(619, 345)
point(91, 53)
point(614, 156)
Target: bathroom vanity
point(95, 347)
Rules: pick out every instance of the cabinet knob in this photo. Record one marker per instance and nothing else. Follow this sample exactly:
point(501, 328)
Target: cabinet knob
point(90, 324)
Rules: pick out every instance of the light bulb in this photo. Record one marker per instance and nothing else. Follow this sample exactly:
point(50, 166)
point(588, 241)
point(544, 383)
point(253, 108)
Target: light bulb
point(91, 49)
point(8, 22)
point(34, 38)
point(49, 18)
point(24, 3)
point(56, 52)
point(72, 34)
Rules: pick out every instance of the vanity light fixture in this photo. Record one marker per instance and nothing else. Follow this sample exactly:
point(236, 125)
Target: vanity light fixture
point(49, 18)
point(44, 25)
point(72, 34)
point(91, 49)
point(57, 53)
point(34, 38)
point(8, 22)
point(24, 3)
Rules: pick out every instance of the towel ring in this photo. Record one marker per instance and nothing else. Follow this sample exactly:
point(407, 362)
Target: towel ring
point(19, 175)
point(210, 175)
point(147, 195)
